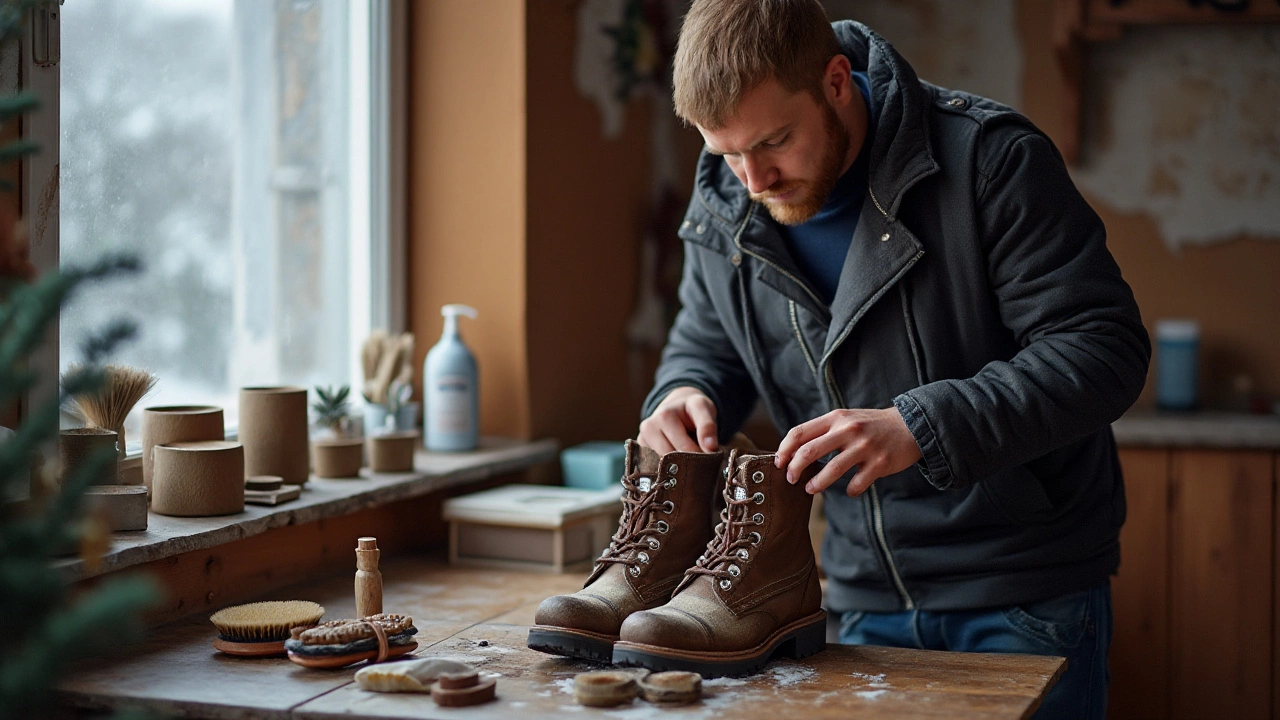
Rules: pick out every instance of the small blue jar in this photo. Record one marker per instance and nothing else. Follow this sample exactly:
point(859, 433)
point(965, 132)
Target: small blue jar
point(1177, 361)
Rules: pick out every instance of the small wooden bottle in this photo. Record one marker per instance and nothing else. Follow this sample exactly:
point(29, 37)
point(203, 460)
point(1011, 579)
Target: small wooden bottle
point(368, 578)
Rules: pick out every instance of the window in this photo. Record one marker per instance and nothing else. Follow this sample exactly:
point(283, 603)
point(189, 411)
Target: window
point(241, 148)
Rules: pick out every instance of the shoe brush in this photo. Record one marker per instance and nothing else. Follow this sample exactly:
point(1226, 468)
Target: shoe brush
point(260, 629)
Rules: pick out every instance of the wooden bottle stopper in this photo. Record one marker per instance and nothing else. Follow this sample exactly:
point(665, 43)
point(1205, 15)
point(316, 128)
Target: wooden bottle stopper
point(368, 578)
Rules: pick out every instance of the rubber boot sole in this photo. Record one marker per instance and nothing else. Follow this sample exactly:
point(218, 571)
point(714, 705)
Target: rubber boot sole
point(572, 643)
point(800, 639)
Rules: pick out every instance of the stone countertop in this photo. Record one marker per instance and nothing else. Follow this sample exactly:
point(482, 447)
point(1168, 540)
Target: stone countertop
point(1219, 430)
point(321, 498)
point(482, 617)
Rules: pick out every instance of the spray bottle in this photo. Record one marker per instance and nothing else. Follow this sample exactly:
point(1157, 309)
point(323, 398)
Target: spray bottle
point(452, 396)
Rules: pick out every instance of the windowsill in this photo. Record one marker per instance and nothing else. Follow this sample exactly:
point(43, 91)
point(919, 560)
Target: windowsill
point(321, 498)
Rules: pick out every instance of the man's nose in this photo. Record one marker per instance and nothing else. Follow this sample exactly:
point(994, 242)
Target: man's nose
point(760, 175)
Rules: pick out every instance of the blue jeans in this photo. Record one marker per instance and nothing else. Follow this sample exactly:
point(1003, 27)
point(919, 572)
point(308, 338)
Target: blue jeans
point(1075, 626)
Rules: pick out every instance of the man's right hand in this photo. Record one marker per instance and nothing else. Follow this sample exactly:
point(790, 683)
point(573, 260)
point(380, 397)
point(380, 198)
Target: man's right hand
point(682, 411)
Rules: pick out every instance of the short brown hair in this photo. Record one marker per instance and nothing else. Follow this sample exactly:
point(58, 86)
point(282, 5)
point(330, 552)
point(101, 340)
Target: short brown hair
point(729, 47)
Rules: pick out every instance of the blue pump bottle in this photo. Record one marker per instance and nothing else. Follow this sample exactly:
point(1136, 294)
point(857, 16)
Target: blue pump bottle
point(451, 392)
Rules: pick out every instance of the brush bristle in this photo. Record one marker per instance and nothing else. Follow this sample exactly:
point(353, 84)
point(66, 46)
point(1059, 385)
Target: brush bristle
point(123, 387)
point(265, 621)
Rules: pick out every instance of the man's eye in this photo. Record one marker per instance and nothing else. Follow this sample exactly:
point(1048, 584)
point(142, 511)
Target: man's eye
point(778, 142)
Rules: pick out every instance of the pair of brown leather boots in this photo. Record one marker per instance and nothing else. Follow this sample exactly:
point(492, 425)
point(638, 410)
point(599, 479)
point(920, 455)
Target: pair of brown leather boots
point(676, 591)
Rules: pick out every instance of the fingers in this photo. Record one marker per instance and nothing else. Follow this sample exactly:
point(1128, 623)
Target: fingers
point(833, 471)
point(814, 450)
point(798, 436)
point(703, 414)
point(653, 439)
point(683, 410)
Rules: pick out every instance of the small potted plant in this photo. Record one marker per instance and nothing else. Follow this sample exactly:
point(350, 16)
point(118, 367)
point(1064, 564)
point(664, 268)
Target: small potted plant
point(391, 449)
point(339, 455)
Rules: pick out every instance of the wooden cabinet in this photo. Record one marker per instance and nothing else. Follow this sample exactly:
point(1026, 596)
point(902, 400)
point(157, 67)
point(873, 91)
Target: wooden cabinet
point(1195, 600)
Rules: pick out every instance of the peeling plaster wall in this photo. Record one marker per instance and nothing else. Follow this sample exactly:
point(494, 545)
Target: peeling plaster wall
point(971, 46)
point(1184, 125)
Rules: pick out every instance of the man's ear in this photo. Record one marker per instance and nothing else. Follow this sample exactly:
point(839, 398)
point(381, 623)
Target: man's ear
point(837, 83)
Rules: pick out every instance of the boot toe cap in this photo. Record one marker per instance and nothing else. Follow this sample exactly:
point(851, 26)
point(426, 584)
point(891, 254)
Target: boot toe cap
point(577, 612)
point(666, 627)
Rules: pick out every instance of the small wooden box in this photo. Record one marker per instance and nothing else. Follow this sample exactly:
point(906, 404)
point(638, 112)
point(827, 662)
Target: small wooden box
point(532, 527)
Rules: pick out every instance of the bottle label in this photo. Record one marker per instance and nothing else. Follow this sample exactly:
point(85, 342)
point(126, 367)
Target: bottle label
point(450, 404)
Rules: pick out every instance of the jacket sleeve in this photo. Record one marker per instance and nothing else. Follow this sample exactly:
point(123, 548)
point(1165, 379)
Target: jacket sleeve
point(700, 354)
point(1084, 351)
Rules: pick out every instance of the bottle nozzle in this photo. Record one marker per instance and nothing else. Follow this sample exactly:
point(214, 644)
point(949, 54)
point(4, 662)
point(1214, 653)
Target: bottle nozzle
point(454, 310)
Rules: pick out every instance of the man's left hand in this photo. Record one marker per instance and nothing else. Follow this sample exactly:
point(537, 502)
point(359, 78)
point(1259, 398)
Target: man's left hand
point(876, 441)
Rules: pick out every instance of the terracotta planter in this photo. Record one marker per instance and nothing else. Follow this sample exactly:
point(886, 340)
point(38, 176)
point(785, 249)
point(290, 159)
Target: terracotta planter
point(77, 445)
point(393, 452)
point(197, 479)
point(177, 423)
point(273, 430)
point(338, 458)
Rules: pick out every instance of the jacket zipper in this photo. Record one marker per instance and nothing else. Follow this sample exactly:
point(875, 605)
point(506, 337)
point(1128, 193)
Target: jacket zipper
point(871, 502)
point(737, 240)
point(876, 515)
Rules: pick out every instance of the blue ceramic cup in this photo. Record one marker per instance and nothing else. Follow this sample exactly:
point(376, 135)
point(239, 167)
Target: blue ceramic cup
point(1177, 361)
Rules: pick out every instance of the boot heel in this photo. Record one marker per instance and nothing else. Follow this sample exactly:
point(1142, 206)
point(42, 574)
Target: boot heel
point(808, 640)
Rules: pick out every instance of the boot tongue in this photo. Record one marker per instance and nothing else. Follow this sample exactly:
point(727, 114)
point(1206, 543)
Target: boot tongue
point(643, 461)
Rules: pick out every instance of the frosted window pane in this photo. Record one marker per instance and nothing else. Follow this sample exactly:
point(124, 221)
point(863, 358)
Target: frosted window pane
point(209, 137)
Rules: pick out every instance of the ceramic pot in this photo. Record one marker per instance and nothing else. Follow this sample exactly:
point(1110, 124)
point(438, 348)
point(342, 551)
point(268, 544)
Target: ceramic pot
point(338, 458)
point(77, 445)
point(177, 423)
point(273, 430)
point(393, 452)
point(124, 507)
point(197, 479)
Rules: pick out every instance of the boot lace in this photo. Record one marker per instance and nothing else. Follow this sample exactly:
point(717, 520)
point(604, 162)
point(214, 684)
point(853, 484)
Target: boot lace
point(735, 539)
point(638, 526)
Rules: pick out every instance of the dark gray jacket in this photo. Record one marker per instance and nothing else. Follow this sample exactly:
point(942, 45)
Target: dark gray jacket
point(979, 298)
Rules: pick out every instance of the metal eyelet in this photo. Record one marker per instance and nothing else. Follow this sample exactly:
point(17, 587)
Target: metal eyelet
point(668, 507)
point(642, 557)
point(725, 584)
point(670, 483)
point(757, 476)
point(734, 570)
point(757, 537)
point(635, 571)
point(758, 498)
point(663, 527)
point(743, 554)
point(672, 469)
point(654, 544)
point(758, 518)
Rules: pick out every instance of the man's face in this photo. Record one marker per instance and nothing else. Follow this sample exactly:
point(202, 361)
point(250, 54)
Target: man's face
point(787, 149)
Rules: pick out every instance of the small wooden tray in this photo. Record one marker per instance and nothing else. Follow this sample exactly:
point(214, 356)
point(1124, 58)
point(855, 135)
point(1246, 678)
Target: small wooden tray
point(337, 661)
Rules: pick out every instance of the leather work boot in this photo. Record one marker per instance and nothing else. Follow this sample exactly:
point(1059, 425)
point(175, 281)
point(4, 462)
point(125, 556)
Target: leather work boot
point(669, 506)
point(754, 594)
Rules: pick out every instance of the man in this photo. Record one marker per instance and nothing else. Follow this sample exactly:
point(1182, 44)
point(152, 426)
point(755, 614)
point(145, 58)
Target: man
point(908, 280)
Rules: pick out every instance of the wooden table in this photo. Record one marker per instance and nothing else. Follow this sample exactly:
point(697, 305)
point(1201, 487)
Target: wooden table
point(482, 617)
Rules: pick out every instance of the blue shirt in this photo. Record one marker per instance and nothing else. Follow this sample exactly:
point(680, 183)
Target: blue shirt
point(819, 244)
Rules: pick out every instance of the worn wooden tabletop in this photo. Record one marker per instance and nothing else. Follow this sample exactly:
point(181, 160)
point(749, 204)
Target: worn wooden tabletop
point(482, 617)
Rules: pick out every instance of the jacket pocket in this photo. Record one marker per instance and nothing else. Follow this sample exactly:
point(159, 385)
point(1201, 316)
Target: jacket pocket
point(1019, 496)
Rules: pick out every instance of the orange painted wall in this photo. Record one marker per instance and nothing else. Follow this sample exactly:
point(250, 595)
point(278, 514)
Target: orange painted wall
point(589, 198)
point(466, 191)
